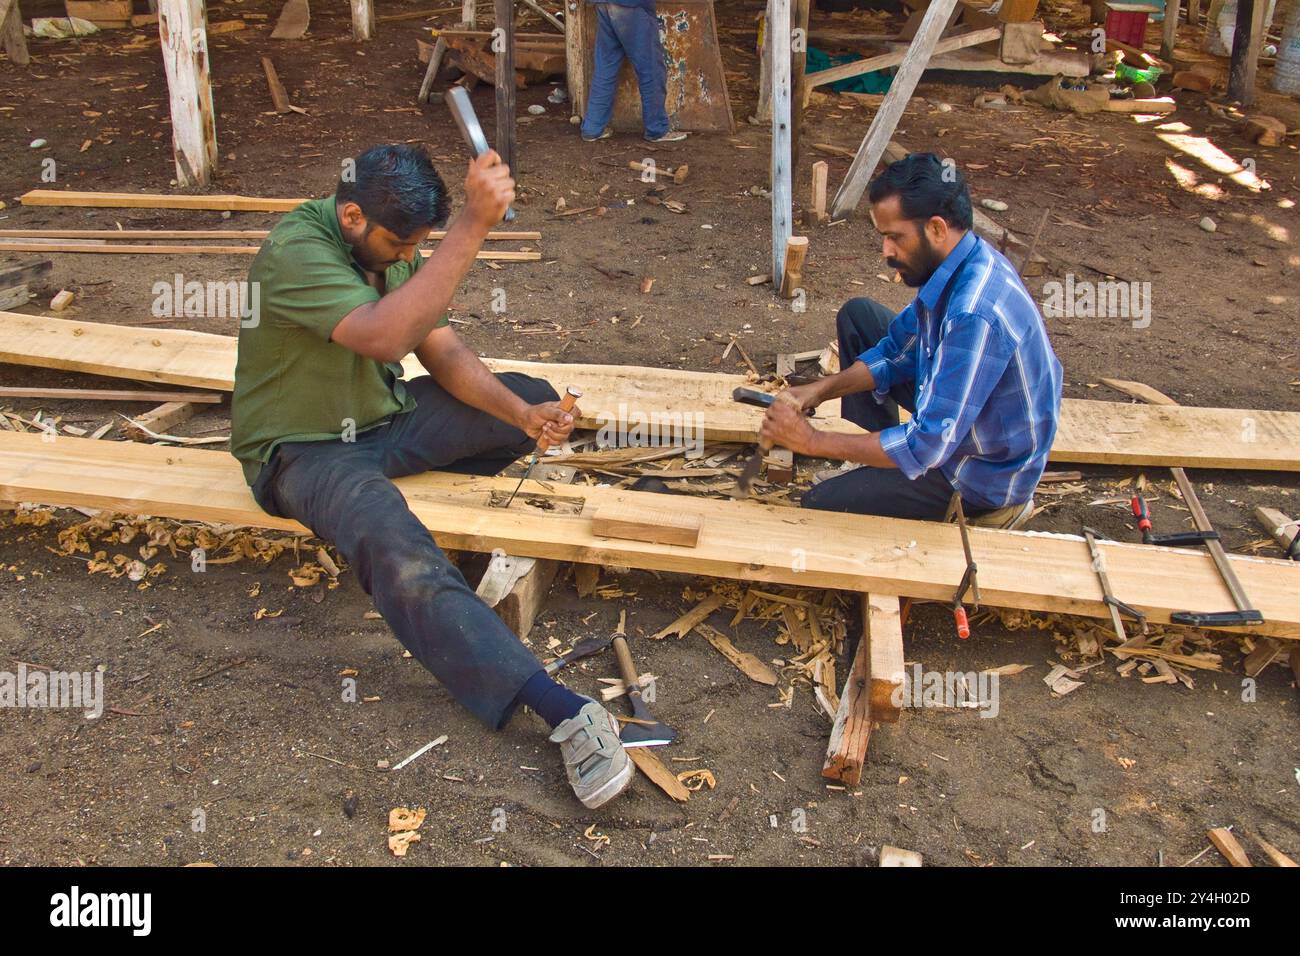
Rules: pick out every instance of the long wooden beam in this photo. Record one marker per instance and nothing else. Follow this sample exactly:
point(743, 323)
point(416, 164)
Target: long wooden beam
point(108, 200)
point(745, 540)
point(894, 57)
point(144, 249)
point(133, 234)
point(1089, 432)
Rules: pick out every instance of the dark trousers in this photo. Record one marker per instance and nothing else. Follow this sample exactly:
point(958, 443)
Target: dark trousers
point(887, 492)
point(343, 492)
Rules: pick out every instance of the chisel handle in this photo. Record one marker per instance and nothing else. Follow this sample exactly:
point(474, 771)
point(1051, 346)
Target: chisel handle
point(1139, 506)
point(963, 624)
point(570, 399)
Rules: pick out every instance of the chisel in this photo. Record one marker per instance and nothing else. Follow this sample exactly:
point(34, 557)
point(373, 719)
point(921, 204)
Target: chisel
point(570, 399)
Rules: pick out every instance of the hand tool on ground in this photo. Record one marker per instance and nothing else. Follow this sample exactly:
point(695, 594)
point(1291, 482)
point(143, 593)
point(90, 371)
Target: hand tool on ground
point(462, 111)
point(647, 732)
point(1139, 506)
point(969, 578)
point(747, 475)
point(583, 648)
point(1245, 614)
point(1113, 604)
point(571, 396)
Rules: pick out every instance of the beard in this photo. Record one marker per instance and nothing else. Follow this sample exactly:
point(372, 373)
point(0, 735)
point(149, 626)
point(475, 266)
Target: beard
point(917, 272)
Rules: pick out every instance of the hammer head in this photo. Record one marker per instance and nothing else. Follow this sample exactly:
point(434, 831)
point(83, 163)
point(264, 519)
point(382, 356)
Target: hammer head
point(462, 111)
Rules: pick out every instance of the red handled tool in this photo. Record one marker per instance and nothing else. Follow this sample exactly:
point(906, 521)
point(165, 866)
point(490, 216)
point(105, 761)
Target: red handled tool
point(969, 579)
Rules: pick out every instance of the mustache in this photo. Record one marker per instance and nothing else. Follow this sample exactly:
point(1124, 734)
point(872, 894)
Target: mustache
point(896, 265)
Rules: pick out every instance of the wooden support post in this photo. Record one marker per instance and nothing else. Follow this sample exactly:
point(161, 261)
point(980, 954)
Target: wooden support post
point(782, 200)
point(11, 33)
point(182, 29)
point(1169, 31)
point(1245, 52)
point(431, 71)
point(505, 82)
point(363, 19)
point(798, 88)
point(763, 109)
point(1193, 12)
point(469, 14)
point(796, 251)
point(891, 109)
point(820, 174)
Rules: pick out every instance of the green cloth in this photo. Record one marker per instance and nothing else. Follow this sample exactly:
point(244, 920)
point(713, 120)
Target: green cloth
point(291, 382)
point(877, 81)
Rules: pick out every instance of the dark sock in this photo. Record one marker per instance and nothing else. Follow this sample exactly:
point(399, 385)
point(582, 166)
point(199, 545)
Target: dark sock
point(553, 702)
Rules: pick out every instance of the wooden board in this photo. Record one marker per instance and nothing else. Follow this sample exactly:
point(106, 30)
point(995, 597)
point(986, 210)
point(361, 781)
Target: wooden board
point(144, 249)
point(661, 524)
point(132, 234)
point(1228, 845)
point(893, 58)
point(108, 395)
point(71, 197)
point(1089, 432)
point(745, 540)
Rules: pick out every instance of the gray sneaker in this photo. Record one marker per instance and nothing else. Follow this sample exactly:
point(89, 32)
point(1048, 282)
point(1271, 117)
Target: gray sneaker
point(598, 767)
point(672, 136)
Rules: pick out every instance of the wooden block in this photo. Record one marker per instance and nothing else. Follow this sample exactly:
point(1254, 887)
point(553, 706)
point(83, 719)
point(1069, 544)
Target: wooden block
point(15, 297)
point(1193, 80)
point(796, 251)
point(1160, 104)
point(820, 171)
point(847, 751)
point(1264, 130)
point(893, 856)
point(1282, 528)
point(883, 634)
point(1265, 653)
point(1021, 42)
point(62, 300)
point(102, 13)
point(780, 465)
point(160, 419)
point(638, 524)
point(1227, 844)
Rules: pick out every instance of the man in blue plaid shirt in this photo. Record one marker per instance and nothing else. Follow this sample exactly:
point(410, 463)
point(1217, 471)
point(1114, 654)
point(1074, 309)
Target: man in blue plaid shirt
point(969, 358)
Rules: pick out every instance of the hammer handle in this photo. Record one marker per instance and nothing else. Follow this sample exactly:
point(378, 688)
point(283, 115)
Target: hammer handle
point(625, 666)
point(570, 399)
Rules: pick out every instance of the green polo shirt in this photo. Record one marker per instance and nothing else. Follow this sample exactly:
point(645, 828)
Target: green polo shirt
point(291, 382)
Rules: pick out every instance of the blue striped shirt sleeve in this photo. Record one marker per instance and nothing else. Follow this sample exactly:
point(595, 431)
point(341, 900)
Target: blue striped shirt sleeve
point(892, 360)
point(968, 365)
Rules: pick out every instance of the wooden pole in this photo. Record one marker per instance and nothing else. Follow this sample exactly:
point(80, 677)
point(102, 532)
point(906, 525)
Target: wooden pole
point(1245, 54)
point(182, 29)
point(575, 53)
point(799, 89)
point(763, 109)
point(505, 82)
point(782, 198)
point(11, 33)
point(363, 19)
point(891, 109)
point(1169, 32)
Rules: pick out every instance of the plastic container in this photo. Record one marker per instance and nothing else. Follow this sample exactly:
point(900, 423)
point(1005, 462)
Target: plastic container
point(1127, 22)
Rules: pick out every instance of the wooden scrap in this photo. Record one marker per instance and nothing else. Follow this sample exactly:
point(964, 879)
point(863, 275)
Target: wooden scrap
point(1264, 130)
point(846, 754)
point(1228, 845)
point(637, 524)
point(294, 19)
point(1273, 853)
point(159, 420)
point(820, 172)
point(1159, 104)
point(780, 465)
point(62, 299)
point(1266, 652)
point(688, 621)
point(796, 252)
point(649, 764)
point(893, 856)
point(585, 578)
point(746, 663)
point(1283, 529)
point(279, 98)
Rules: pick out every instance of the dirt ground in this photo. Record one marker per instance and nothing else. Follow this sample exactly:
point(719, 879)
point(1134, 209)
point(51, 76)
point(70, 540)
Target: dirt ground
point(270, 753)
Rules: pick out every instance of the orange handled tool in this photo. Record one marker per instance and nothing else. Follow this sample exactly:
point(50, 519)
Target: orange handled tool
point(570, 399)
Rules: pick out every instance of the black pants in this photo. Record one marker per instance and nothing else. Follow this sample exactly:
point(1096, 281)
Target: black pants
point(887, 492)
point(343, 492)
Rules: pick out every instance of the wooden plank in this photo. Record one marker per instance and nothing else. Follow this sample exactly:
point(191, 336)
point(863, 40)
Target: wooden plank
point(182, 30)
point(153, 249)
point(1273, 853)
point(19, 273)
point(739, 539)
point(846, 754)
point(1228, 845)
point(662, 525)
point(884, 61)
point(108, 395)
point(648, 762)
point(883, 634)
point(279, 98)
point(1089, 432)
point(133, 234)
point(886, 119)
point(159, 420)
point(782, 192)
point(1139, 390)
point(111, 200)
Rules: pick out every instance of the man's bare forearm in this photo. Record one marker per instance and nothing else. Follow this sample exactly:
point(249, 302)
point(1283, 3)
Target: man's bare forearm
point(456, 368)
point(864, 449)
point(401, 320)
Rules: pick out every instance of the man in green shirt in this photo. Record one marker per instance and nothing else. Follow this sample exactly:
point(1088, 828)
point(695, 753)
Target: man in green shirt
point(322, 420)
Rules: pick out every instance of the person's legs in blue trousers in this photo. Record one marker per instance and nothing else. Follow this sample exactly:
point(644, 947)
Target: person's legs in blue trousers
point(632, 32)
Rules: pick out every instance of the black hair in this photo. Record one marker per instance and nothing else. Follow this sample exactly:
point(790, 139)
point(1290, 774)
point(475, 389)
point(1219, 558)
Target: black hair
point(397, 187)
point(925, 186)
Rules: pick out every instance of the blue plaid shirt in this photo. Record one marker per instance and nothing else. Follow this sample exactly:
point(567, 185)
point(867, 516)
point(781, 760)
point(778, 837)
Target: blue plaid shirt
point(988, 385)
